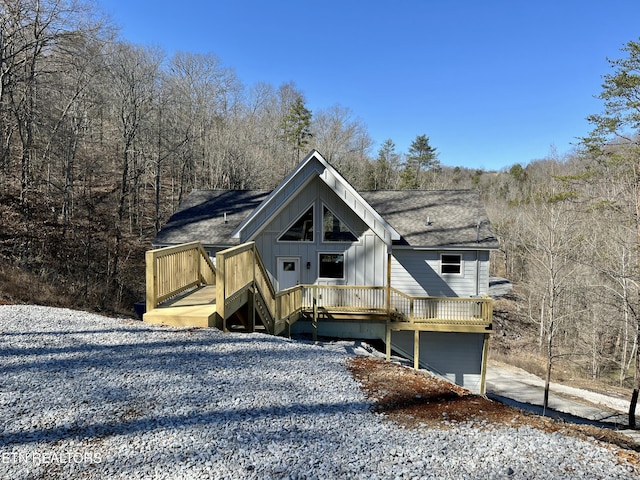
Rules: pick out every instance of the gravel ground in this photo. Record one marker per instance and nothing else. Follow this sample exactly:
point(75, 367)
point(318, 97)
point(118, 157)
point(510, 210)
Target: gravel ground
point(86, 396)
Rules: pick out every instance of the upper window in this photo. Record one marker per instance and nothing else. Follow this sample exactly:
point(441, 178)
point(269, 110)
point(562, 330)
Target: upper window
point(451, 264)
point(331, 265)
point(334, 230)
point(301, 230)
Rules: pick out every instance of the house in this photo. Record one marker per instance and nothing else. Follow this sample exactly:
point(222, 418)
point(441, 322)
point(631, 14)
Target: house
point(315, 229)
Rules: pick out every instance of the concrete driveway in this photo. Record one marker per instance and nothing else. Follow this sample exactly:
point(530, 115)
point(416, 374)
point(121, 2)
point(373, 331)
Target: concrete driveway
point(519, 388)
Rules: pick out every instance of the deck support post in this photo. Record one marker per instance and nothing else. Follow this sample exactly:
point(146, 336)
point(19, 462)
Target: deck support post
point(252, 307)
point(388, 340)
point(151, 281)
point(483, 372)
point(416, 349)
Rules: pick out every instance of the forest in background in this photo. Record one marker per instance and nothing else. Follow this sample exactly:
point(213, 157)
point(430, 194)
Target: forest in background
point(100, 140)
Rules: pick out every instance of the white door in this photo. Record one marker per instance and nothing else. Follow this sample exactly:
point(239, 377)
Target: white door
point(288, 272)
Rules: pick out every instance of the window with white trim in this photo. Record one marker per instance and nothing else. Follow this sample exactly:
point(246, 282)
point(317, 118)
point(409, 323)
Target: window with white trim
point(451, 264)
point(331, 265)
point(301, 230)
point(334, 229)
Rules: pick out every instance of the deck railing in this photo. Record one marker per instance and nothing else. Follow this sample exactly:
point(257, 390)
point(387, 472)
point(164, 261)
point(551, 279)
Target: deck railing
point(171, 271)
point(174, 270)
point(289, 304)
point(360, 299)
point(450, 310)
point(240, 270)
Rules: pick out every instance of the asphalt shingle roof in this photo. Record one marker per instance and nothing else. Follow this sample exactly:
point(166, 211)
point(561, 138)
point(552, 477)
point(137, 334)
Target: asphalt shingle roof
point(424, 218)
point(201, 217)
point(435, 218)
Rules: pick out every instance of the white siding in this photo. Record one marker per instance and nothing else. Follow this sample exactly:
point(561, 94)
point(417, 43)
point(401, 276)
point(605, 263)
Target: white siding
point(454, 356)
point(417, 272)
point(365, 260)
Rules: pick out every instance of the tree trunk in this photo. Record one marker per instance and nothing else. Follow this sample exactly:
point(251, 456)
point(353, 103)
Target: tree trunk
point(636, 388)
point(547, 382)
point(632, 408)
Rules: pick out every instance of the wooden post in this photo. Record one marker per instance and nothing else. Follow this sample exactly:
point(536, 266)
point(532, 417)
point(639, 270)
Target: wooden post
point(195, 261)
point(388, 340)
point(252, 306)
point(483, 373)
point(151, 281)
point(416, 349)
point(388, 292)
point(220, 296)
point(314, 321)
point(411, 312)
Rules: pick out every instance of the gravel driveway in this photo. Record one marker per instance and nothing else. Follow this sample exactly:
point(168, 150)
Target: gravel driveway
point(86, 396)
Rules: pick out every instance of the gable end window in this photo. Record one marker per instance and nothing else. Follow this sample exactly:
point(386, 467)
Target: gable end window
point(451, 264)
point(301, 230)
point(334, 229)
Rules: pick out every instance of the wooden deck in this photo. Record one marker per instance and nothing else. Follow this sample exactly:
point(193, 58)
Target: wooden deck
point(196, 309)
point(185, 289)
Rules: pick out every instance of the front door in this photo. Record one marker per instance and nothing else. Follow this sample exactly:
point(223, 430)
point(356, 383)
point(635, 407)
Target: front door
point(288, 272)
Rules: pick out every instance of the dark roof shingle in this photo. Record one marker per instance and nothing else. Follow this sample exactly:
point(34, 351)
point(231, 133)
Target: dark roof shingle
point(435, 218)
point(424, 218)
point(201, 217)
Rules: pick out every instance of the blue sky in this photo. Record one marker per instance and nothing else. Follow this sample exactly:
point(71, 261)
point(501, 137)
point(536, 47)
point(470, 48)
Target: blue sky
point(491, 83)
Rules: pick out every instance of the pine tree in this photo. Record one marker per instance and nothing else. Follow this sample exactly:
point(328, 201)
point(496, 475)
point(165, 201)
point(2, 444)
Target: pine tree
point(295, 127)
point(619, 124)
point(422, 156)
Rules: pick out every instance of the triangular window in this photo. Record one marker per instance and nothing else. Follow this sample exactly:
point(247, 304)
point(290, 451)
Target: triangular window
point(334, 230)
point(301, 230)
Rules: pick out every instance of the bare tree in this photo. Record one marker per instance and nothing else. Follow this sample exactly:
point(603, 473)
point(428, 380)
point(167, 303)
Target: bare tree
point(550, 240)
point(134, 73)
point(344, 141)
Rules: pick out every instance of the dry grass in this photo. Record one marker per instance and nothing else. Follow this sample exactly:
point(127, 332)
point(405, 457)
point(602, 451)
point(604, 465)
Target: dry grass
point(415, 399)
point(19, 286)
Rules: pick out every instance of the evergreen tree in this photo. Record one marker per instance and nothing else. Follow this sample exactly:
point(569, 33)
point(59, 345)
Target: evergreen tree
point(619, 125)
point(295, 127)
point(422, 156)
point(384, 167)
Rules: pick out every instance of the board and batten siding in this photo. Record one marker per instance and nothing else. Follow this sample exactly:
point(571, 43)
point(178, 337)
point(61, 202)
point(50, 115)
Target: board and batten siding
point(281, 197)
point(417, 272)
point(365, 260)
point(454, 356)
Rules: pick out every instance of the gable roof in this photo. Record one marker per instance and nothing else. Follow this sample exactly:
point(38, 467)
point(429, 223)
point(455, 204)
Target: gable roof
point(436, 218)
point(314, 166)
point(451, 219)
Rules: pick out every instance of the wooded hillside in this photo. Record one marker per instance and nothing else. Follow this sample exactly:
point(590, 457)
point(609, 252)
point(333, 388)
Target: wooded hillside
point(100, 140)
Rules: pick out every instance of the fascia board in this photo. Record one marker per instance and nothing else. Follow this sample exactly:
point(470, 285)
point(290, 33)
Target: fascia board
point(357, 197)
point(265, 203)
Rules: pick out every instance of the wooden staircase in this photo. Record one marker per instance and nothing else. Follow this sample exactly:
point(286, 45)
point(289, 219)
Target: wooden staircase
point(184, 288)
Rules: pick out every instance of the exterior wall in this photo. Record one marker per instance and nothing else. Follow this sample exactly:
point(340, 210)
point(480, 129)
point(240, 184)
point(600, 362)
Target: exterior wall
point(365, 330)
point(417, 272)
point(311, 170)
point(454, 356)
point(365, 260)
